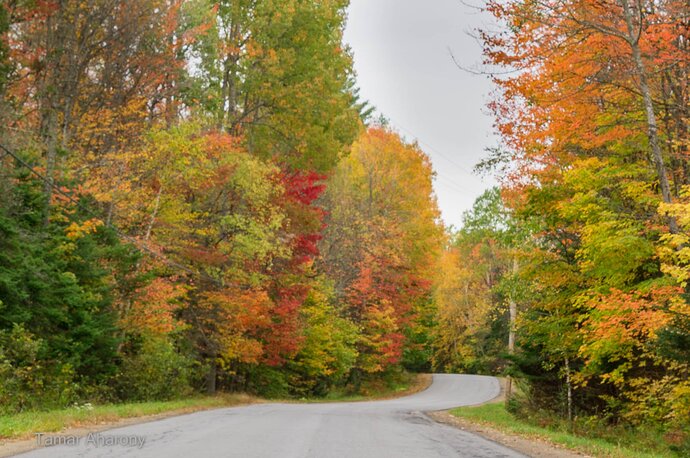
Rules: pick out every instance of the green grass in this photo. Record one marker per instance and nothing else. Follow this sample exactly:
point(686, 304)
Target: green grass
point(25, 424)
point(618, 443)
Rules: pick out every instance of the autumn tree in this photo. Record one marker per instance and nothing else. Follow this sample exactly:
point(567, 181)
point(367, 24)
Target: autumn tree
point(593, 137)
point(76, 63)
point(382, 242)
point(277, 73)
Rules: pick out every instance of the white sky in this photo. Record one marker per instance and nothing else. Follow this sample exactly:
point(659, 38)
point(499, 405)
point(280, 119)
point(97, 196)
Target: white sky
point(404, 69)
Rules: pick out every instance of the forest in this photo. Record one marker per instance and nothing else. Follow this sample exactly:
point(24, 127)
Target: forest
point(583, 249)
point(194, 198)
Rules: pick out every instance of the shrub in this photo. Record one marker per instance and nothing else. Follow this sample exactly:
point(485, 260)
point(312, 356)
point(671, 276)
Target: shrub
point(26, 380)
point(155, 372)
point(268, 382)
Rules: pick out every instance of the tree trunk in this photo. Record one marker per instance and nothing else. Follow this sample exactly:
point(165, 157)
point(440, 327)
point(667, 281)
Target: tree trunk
point(211, 377)
point(512, 309)
point(569, 387)
point(47, 101)
point(652, 125)
point(154, 213)
point(49, 138)
point(229, 91)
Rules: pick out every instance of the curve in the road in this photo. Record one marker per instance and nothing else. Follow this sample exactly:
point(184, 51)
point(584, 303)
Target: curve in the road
point(391, 428)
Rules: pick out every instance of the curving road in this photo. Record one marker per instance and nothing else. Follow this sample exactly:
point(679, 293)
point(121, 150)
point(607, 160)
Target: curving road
point(392, 428)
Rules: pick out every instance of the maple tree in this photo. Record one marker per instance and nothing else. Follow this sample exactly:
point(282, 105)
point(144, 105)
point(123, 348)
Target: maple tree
point(381, 243)
point(592, 116)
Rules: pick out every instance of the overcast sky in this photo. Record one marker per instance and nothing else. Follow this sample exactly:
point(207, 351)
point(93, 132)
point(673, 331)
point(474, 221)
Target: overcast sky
point(404, 68)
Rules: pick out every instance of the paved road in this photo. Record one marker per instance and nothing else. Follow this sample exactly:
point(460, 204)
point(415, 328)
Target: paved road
point(392, 428)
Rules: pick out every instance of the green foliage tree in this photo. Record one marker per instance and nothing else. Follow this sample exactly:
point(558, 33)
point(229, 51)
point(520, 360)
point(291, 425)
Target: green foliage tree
point(277, 72)
point(57, 281)
point(329, 349)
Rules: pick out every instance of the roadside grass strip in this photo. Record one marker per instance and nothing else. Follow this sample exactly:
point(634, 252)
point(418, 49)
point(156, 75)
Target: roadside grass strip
point(612, 442)
point(23, 425)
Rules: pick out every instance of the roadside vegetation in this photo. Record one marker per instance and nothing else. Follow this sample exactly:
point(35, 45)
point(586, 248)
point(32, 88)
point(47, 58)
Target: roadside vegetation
point(193, 200)
point(24, 425)
point(404, 384)
point(572, 275)
point(590, 436)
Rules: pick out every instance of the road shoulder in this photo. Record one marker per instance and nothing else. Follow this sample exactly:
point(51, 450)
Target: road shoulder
point(529, 447)
point(14, 446)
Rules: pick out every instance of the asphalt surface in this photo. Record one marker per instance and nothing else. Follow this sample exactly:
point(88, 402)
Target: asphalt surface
point(391, 428)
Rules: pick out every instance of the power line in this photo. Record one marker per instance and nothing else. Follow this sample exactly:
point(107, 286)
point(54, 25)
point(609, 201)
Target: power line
point(449, 182)
point(436, 151)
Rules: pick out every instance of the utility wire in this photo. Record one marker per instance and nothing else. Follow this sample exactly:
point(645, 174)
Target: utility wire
point(450, 183)
point(431, 148)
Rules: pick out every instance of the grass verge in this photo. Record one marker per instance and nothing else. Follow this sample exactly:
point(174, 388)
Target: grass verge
point(626, 444)
point(24, 425)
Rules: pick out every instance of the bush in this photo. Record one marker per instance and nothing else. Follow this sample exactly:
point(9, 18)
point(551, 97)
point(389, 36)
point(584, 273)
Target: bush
point(328, 351)
point(268, 382)
point(156, 372)
point(26, 380)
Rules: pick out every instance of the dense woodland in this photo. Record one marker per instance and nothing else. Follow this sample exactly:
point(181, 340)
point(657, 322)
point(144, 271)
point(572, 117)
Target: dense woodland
point(585, 245)
point(193, 198)
point(192, 201)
